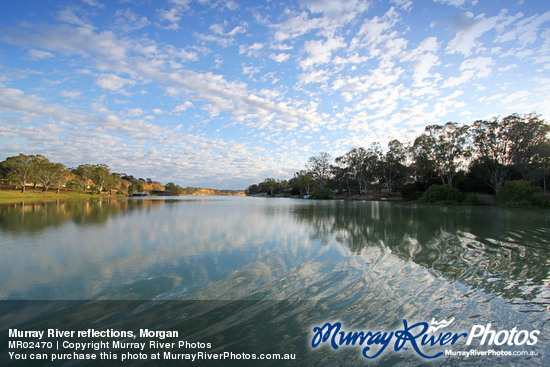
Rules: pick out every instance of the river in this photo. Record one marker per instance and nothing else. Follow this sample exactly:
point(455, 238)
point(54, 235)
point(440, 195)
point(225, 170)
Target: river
point(258, 274)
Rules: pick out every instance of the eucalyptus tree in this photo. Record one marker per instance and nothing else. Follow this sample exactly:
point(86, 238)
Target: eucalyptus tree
point(506, 143)
point(113, 182)
point(424, 164)
point(50, 174)
point(320, 168)
point(101, 174)
point(303, 182)
point(175, 189)
point(451, 148)
point(541, 163)
point(22, 168)
point(60, 176)
point(353, 166)
point(528, 133)
point(392, 163)
point(83, 172)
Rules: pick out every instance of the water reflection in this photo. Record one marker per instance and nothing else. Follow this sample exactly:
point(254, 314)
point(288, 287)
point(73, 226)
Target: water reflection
point(169, 248)
point(367, 264)
point(500, 251)
point(37, 216)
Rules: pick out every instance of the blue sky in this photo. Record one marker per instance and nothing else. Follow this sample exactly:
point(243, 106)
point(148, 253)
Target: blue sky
point(223, 94)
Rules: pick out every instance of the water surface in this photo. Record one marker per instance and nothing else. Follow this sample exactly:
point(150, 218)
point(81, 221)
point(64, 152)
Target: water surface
point(367, 264)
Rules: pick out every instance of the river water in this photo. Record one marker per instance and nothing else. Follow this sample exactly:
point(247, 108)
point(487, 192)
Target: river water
point(258, 274)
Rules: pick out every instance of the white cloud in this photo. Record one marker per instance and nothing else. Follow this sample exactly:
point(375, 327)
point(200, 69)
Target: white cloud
point(172, 16)
point(385, 75)
point(471, 68)
point(296, 25)
point(129, 21)
point(252, 50)
point(524, 31)
point(403, 4)
point(507, 67)
point(182, 107)
point(134, 112)
point(112, 82)
point(70, 94)
point(68, 15)
point(94, 3)
point(340, 11)
point(320, 52)
point(424, 57)
point(455, 3)
point(36, 55)
point(469, 30)
point(282, 57)
point(316, 76)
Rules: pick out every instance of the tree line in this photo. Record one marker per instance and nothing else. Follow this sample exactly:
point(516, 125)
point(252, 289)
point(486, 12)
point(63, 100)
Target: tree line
point(472, 158)
point(37, 170)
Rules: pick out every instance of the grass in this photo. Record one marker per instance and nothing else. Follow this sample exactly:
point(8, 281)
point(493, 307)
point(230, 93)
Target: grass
point(30, 195)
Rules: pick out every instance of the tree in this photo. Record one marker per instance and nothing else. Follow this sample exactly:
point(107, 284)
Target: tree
point(303, 182)
point(506, 143)
point(174, 189)
point(84, 173)
point(21, 168)
point(424, 161)
point(50, 174)
point(541, 163)
point(391, 164)
point(352, 166)
point(100, 175)
point(527, 135)
point(113, 182)
point(450, 148)
point(270, 186)
point(319, 167)
point(59, 178)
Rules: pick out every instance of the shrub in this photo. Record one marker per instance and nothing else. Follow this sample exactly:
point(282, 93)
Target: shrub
point(411, 191)
point(473, 199)
point(517, 194)
point(543, 201)
point(321, 194)
point(442, 194)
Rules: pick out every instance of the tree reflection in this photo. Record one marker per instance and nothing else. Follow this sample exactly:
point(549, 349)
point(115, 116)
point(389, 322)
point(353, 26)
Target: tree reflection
point(499, 251)
point(35, 217)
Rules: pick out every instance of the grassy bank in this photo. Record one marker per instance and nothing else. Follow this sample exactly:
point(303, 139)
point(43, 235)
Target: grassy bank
point(16, 196)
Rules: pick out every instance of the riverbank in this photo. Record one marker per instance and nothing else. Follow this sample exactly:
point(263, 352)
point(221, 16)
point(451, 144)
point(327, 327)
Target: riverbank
point(36, 195)
point(30, 195)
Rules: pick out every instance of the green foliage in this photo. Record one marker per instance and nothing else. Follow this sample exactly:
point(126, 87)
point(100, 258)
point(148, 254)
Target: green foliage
point(542, 201)
point(411, 191)
point(174, 189)
point(442, 194)
point(473, 199)
point(21, 168)
point(101, 174)
point(321, 194)
point(75, 183)
point(84, 173)
point(518, 194)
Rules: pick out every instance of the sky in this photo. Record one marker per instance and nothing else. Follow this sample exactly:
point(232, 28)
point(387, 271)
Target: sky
point(225, 93)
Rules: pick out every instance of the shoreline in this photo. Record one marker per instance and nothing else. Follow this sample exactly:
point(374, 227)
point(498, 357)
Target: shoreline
point(36, 195)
